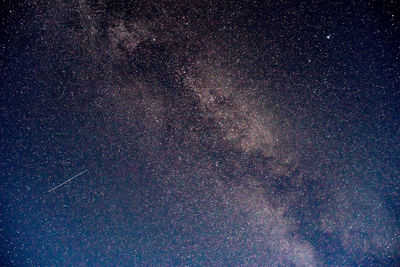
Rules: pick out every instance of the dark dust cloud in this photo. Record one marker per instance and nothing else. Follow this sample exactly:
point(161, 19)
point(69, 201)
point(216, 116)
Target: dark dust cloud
point(255, 133)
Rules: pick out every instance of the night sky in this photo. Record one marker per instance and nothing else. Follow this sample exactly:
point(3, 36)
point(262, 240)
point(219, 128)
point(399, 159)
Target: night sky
point(190, 133)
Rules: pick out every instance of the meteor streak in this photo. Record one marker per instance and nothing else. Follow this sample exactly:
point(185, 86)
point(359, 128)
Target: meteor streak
point(70, 179)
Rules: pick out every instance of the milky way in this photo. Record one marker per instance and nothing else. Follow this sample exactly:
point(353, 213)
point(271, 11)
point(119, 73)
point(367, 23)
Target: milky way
point(202, 132)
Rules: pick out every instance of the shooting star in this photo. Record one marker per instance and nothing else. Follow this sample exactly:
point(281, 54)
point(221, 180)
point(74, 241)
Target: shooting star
point(70, 179)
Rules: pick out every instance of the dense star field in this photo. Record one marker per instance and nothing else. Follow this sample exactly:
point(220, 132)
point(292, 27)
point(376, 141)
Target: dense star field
point(261, 133)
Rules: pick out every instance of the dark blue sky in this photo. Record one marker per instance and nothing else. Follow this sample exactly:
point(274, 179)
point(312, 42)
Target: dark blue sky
point(259, 133)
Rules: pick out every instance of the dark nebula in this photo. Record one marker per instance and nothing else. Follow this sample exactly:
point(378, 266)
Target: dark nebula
point(222, 133)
